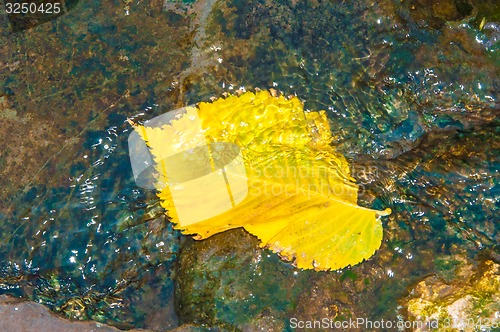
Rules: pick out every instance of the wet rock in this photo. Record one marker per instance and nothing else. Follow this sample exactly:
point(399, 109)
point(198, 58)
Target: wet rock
point(226, 281)
point(436, 14)
point(468, 302)
point(27, 316)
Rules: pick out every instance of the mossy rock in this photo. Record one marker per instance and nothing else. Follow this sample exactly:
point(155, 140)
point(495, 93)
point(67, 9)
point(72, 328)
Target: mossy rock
point(473, 296)
point(226, 281)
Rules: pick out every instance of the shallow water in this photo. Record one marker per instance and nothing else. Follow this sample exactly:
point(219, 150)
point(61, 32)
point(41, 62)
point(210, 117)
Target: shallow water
point(413, 106)
point(99, 236)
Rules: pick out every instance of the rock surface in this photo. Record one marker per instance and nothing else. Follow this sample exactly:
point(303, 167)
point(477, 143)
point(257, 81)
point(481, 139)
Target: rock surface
point(470, 301)
point(16, 316)
point(23, 316)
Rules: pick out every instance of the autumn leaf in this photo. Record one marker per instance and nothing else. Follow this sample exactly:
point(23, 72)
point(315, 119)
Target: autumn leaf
point(260, 162)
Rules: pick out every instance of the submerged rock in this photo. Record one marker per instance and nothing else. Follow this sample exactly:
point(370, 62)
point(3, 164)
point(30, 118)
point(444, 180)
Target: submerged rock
point(226, 281)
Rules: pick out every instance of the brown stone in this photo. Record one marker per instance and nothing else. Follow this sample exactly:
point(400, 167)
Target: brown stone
point(18, 316)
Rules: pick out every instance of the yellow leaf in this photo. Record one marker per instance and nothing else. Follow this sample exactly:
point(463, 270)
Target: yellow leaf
point(260, 162)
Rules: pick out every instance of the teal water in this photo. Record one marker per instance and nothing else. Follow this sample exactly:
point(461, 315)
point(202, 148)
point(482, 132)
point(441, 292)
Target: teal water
point(414, 103)
point(73, 249)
